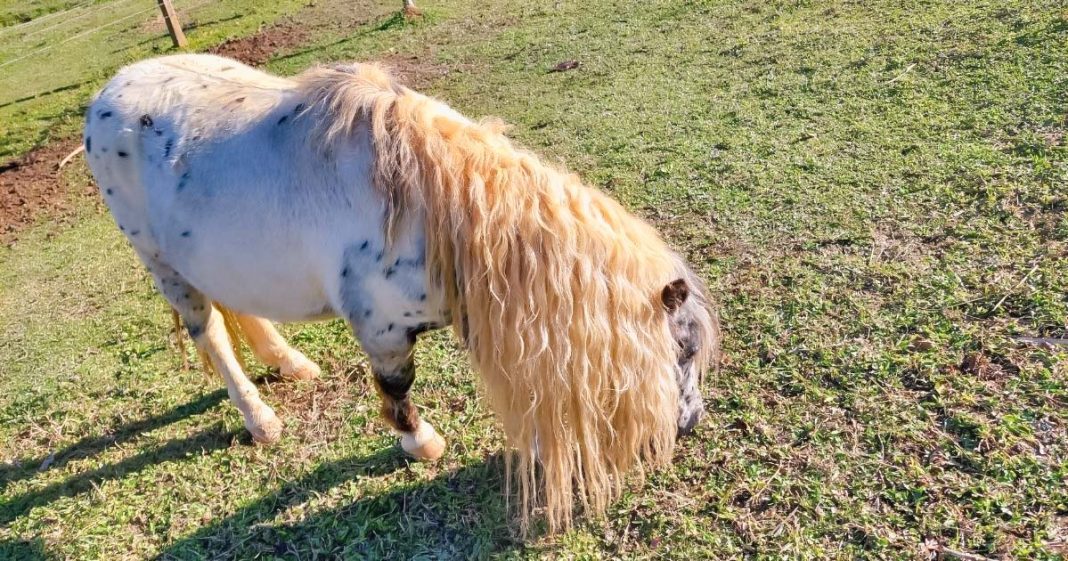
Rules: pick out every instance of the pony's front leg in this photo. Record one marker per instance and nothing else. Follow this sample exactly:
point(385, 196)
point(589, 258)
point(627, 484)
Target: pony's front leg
point(207, 328)
point(394, 372)
point(274, 351)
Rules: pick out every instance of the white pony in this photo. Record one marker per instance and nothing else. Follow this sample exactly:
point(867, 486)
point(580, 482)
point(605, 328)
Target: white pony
point(342, 193)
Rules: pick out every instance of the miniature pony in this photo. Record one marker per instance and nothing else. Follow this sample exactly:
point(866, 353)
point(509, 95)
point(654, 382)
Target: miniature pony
point(342, 193)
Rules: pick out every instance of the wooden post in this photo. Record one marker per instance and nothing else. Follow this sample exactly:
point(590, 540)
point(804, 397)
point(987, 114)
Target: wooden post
point(410, 10)
point(174, 27)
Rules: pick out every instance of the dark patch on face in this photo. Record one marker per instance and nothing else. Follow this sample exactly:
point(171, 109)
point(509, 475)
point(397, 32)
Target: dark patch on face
point(422, 297)
point(195, 329)
point(88, 145)
point(134, 232)
point(108, 191)
point(298, 109)
point(103, 114)
point(183, 181)
point(122, 154)
point(344, 272)
point(283, 119)
point(378, 257)
point(239, 100)
point(185, 234)
point(122, 228)
point(364, 245)
point(389, 272)
point(146, 121)
point(167, 147)
point(389, 327)
point(367, 313)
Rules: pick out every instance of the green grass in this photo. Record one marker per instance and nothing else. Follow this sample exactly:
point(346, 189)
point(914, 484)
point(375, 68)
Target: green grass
point(875, 192)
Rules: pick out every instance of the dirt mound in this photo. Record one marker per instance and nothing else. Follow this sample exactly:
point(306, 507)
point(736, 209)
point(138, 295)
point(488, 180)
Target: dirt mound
point(259, 48)
point(31, 185)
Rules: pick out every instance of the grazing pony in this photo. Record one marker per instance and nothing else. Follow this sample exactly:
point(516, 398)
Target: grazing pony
point(342, 193)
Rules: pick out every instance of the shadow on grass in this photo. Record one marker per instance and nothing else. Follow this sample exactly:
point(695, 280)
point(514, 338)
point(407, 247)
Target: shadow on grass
point(459, 514)
point(23, 550)
point(91, 445)
point(177, 449)
point(45, 93)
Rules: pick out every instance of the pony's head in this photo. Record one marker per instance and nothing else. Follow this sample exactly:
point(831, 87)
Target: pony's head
point(694, 326)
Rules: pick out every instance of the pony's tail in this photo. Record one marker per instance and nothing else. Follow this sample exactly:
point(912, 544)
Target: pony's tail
point(233, 332)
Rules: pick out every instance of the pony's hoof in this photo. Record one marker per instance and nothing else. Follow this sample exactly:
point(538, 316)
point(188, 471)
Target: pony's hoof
point(424, 444)
point(266, 430)
point(300, 368)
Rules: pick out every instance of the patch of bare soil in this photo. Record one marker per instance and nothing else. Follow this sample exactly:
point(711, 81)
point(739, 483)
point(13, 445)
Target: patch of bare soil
point(257, 49)
point(31, 185)
point(413, 70)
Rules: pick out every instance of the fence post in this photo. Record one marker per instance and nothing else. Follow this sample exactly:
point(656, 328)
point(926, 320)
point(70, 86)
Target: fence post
point(174, 27)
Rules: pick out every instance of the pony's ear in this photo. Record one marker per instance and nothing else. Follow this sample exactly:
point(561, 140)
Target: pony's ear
point(674, 295)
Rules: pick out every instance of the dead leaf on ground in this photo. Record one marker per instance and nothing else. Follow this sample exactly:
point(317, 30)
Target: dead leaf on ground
point(566, 65)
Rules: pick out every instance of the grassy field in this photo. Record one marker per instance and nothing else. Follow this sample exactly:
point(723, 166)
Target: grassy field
point(876, 193)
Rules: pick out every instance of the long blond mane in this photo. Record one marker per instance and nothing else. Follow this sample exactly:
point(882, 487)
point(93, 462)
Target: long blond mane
point(554, 288)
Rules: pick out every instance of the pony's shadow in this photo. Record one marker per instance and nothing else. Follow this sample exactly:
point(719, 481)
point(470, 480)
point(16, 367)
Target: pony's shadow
point(459, 514)
point(92, 445)
point(209, 439)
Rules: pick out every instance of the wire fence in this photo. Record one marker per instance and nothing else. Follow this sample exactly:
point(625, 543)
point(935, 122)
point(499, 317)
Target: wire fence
point(78, 44)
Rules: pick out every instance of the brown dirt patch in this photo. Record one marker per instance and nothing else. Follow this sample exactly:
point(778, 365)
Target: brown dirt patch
point(414, 71)
point(31, 185)
point(257, 49)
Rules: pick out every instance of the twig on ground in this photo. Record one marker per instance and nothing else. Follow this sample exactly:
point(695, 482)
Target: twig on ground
point(1041, 341)
point(70, 156)
point(902, 75)
point(1017, 285)
point(945, 551)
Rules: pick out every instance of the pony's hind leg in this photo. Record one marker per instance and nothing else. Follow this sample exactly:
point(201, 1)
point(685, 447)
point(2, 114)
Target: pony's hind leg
point(271, 348)
point(394, 373)
point(207, 328)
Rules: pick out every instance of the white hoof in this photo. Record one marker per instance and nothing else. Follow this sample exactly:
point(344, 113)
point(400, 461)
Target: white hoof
point(265, 426)
point(424, 444)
